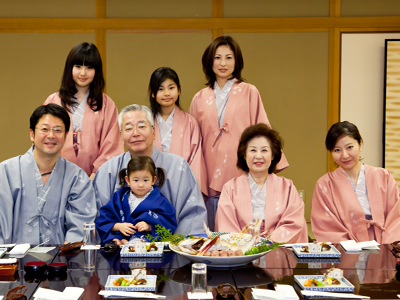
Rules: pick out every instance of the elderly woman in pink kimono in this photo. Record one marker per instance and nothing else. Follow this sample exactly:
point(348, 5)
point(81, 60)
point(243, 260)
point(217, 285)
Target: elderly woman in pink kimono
point(223, 109)
point(94, 134)
point(259, 193)
point(356, 201)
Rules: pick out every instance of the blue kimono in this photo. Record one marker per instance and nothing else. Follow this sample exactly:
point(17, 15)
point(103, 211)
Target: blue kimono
point(155, 209)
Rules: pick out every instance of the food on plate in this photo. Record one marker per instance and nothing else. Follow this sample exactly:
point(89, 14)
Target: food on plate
point(70, 246)
point(313, 282)
point(149, 248)
point(325, 246)
point(122, 281)
point(304, 249)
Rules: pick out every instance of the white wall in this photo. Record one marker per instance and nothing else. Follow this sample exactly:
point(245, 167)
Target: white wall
point(362, 86)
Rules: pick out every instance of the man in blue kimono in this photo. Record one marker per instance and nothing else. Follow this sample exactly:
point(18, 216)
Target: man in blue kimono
point(43, 197)
point(136, 123)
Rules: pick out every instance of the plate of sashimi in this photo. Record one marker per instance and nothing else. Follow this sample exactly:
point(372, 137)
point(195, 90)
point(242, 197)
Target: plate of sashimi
point(224, 249)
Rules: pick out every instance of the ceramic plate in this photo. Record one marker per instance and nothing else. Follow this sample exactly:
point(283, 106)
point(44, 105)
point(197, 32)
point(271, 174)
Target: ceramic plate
point(150, 286)
point(344, 286)
point(125, 252)
point(331, 253)
point(219, 262)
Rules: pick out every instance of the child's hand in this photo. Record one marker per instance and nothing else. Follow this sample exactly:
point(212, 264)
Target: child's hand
point(120, 242)
point(142, 226)
point(124, 228)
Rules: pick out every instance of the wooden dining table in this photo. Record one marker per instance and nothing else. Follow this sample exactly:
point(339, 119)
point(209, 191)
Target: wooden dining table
point(373, 273)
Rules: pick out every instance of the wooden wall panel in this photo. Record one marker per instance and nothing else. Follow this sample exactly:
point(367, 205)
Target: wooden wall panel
point(132, 58)
point(275, 9)
point(47, 9)
point(159, 9)
point(353, 8)
point(31, 69)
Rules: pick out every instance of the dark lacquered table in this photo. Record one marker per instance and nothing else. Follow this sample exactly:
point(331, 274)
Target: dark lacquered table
point(372, 273)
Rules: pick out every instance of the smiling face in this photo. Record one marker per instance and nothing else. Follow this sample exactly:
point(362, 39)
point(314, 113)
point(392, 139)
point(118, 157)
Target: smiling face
point(47, 142)
point(224, 63)
point(168, 93)
point(140, 182)
point(346, 153)
point(258, 155)
point(137, 133)
point(83, 75)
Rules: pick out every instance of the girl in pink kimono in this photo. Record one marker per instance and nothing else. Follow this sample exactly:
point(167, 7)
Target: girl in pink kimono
point(259, 194)
point(94, 134)
point(175, 131)
point(223, 110)
point(356, 201)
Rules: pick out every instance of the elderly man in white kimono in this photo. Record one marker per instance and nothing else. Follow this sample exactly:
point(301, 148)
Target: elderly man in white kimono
point(180, 188)
point(43, 197)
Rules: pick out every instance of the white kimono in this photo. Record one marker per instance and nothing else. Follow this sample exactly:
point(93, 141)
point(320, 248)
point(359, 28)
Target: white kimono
point(180, 188)
point(70, 202)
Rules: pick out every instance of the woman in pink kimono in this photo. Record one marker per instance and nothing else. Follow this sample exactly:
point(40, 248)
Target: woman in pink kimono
point(175, 131)
point(259, 194)
point(223, 110)
point(356, 201)
point(94, 134)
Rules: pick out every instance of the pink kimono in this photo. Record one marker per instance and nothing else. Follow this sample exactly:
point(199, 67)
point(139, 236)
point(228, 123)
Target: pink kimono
point(99, 139)
point(284, 209)
point(244, 108)
point(186, 142)
point(336, 213)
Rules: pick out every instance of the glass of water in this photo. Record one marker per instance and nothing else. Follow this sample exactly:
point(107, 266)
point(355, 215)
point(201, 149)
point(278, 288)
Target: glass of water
point(199, 278)
point(89, 234)
point(90, 260)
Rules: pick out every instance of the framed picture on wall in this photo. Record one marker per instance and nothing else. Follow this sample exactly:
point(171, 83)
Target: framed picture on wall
point(391, 108)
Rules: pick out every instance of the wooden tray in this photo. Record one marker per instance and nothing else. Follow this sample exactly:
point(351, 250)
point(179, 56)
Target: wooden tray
point(8, 269)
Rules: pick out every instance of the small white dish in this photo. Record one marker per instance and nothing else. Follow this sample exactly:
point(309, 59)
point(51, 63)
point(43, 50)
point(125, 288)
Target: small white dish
point(344, 286)
point(150, 286)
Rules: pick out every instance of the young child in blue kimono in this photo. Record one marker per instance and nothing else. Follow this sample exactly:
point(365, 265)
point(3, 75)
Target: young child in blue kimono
point(134, 210)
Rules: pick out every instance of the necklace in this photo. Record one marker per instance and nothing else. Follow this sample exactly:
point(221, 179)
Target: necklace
point(47, 173)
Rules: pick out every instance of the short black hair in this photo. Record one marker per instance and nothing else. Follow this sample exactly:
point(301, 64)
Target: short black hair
point(209, 55)
point(270, 134)
point(50, 109)
point(339, 130)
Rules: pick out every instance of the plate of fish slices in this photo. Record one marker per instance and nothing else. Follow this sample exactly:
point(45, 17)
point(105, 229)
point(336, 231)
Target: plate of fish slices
point(218, 251)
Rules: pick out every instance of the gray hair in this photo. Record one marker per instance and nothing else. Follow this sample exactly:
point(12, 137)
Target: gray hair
point(136, 107)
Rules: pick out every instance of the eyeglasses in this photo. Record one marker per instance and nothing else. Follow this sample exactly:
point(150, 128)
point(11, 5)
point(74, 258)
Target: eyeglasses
point(139, 128)
point(46, 130)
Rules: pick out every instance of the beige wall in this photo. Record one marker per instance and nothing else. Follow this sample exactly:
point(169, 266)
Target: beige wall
point(291, 50)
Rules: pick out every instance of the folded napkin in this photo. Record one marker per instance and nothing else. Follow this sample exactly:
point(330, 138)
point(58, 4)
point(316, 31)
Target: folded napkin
point(8, 261)
point(69, 293)
point(332, 295)
point(131, 294)
point(282, 292)
point(352, 246)
point(90, 247)
point(20, 249)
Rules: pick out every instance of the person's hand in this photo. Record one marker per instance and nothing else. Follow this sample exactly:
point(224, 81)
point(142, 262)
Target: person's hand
point(125, 228)
point(65, 242)
point(120, 242)
point(142, 226)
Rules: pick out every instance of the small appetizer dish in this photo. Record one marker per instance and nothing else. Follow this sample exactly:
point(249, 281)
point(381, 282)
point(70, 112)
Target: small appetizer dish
point(323, 283)
point(35, 267)
point(131, 283)
point(316, 250)
point(57, 267)
point(8, 266)
point(142, 250)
